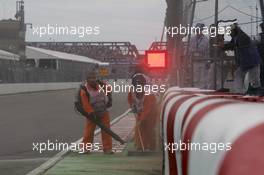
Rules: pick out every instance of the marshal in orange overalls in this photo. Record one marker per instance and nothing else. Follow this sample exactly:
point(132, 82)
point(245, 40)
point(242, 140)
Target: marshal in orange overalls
point(146, 120)
point(90, 126)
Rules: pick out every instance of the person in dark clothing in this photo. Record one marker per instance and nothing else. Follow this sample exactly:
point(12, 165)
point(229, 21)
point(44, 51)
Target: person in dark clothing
point(247, 61)
point(261, 52)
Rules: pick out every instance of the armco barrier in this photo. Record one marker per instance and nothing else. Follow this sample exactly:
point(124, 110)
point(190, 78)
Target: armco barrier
point(193, 117)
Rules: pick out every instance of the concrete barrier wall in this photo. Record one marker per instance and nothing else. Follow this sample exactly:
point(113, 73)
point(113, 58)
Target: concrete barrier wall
point(14, 88)
point(35, 87)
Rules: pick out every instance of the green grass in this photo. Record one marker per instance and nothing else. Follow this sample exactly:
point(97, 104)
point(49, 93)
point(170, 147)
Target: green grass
point(116, 164)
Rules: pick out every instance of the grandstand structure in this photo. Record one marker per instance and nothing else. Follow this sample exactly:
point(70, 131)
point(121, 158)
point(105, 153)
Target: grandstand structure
point(42, 66)
point(123, 57)
point(8, 62)
point(13, 32)
point(158, 46)
point(112, 52)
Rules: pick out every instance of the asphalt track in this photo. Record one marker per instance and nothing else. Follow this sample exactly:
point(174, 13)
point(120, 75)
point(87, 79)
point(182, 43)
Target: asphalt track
point(38, 117)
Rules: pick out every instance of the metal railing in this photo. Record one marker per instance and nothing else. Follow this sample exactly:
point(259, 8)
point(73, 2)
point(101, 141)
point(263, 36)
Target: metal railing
point(221, 65)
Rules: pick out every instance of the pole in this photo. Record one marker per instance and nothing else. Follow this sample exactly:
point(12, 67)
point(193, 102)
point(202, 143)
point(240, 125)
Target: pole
point(174, 19)
point(189, 39)
point(261, 2)
point(251, 21)
point(162, 35)
point(257, 25)
point(215, 49)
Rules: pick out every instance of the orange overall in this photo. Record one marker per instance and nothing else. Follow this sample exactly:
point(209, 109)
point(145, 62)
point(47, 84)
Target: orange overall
point(90, 126)
point(146, 121)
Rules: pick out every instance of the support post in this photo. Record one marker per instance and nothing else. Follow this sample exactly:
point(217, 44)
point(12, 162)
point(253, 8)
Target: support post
point(215, 49)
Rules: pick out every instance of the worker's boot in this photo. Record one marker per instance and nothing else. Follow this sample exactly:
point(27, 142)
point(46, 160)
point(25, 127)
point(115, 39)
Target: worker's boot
point(81, 151)
point(108, 152)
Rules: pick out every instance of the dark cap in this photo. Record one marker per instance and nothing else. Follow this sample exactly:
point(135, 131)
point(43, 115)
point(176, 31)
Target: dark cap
point(139, 79)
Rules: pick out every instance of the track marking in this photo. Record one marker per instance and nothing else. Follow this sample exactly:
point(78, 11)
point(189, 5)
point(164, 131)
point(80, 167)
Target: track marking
point(52, 161)
point(24, 160)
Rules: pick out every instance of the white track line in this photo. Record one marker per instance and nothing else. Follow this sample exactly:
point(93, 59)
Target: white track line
point(24, 160)
point(52, 161)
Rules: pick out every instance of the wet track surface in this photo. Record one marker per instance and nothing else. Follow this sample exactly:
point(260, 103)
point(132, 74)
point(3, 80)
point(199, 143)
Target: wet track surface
point(38, 117)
